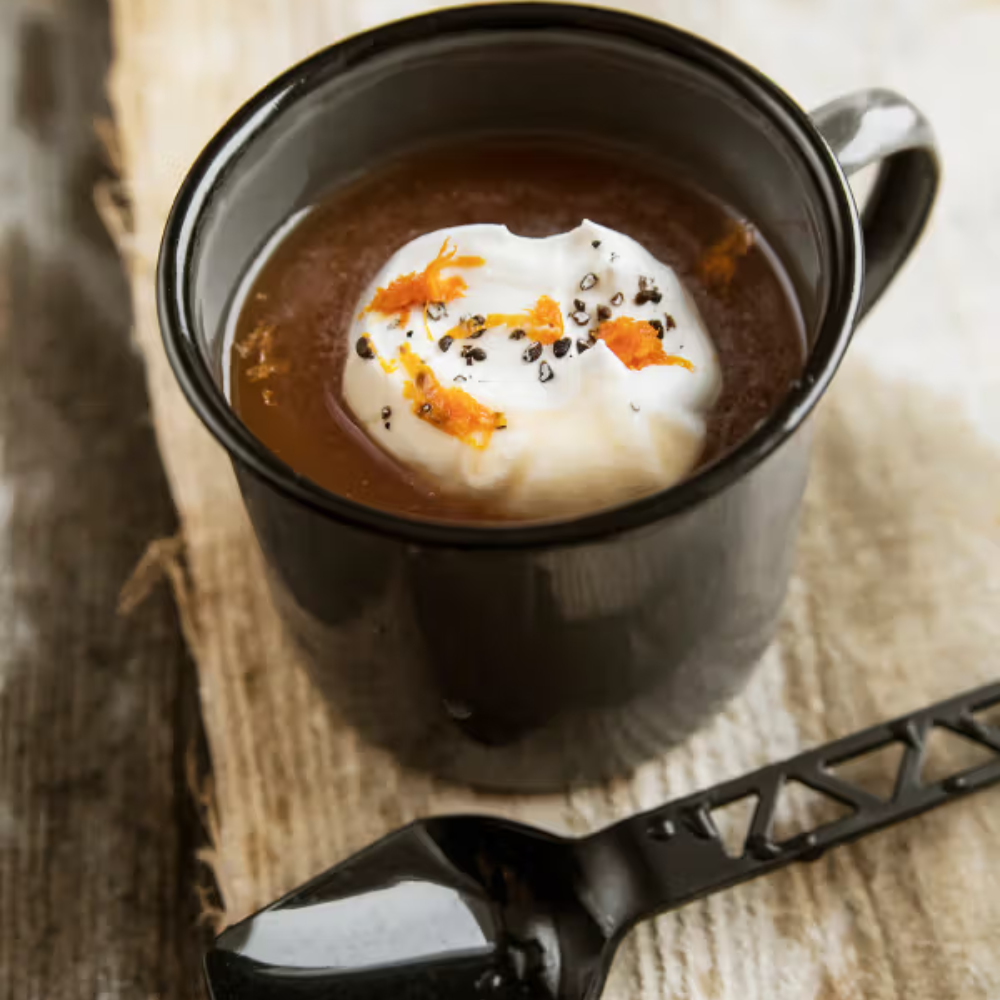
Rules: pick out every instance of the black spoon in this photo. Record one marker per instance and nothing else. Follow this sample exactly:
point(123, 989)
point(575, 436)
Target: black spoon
point(468, 906)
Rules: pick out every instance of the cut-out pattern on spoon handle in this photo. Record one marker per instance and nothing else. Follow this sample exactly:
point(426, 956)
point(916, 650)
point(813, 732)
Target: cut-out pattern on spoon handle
point(676, 853)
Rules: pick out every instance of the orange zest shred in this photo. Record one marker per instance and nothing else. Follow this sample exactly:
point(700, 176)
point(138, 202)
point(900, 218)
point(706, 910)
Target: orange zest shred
point(542, 322)
point(718, 265)
point(417, 289)
point(259, 348)
point(637, 345)
point(449, 409)
point(545, 322)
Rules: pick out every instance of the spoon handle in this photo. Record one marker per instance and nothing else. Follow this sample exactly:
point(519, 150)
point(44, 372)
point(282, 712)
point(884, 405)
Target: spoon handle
point(676, 853)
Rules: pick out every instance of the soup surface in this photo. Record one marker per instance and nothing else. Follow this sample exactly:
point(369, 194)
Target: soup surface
point(291, 338)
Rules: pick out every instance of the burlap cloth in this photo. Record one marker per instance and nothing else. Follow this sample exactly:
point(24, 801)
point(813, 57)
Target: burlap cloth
point(894, 601)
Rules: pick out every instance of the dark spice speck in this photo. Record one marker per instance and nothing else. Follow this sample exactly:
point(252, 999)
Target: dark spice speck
point(445, 342)
point(579, 304)
point(561, 347)
point(545, 372)
point(533, 352)
point(478, 354)
point(595, 244)
point(648, 292)
point(476, 325)
point(671, 322)
point(365, 349)
point(409, 333)
point(387, 425)
point(426, 408)
point(635, 407)
point(517, 335)
point(603, 313)
point(386, 412)
point(658, 327)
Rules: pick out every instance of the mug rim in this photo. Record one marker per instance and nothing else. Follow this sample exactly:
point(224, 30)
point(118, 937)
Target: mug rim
point(179, 240)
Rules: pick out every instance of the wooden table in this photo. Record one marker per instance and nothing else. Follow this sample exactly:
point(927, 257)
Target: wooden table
point(893, 602)
point(97, 710)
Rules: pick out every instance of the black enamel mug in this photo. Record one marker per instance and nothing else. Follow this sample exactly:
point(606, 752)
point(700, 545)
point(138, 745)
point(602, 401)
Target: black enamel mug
point(535, 656)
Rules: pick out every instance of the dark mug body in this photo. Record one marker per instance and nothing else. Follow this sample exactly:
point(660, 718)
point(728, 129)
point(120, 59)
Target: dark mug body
point(540, 655)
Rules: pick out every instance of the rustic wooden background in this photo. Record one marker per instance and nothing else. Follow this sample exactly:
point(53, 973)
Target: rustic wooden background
point(97, 710)
point(894, 599)
point(893, 603)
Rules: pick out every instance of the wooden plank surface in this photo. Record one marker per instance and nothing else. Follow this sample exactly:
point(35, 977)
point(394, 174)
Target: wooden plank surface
point(97, 711)
point(894, 598)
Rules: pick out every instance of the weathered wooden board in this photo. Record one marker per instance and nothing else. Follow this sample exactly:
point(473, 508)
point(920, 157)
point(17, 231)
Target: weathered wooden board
point(895, 595)
point(97, 710)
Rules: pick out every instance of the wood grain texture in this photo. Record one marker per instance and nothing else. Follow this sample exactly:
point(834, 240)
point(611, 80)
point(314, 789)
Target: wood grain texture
point(97, 710)
point(893, 602)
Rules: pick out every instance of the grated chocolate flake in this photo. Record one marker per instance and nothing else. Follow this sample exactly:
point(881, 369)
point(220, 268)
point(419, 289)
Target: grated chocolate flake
point(518, 335)
point(561, 347)
point(365, 349)
point(445, 342)
point(603, 313)
point(533, 352)
point(436, 311)
point(617, 299)
point(582, 345)
point(386, 412)
point(545, 372)
point(670, 321)
point(588, 281)
point(581, 317)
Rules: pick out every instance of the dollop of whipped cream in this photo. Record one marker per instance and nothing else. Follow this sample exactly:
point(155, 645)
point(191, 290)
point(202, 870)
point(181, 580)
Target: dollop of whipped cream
point(550, 376)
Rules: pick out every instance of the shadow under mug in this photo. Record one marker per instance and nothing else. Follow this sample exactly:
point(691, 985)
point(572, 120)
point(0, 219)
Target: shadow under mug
point(541, 655)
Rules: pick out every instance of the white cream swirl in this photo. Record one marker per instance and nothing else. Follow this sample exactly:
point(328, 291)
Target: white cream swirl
point(583, 429)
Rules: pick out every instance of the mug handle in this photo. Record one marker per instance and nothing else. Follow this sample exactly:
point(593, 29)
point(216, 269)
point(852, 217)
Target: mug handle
point(879, 126)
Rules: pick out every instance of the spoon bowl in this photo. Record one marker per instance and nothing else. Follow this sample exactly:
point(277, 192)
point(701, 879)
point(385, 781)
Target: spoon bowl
point(457, 906)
